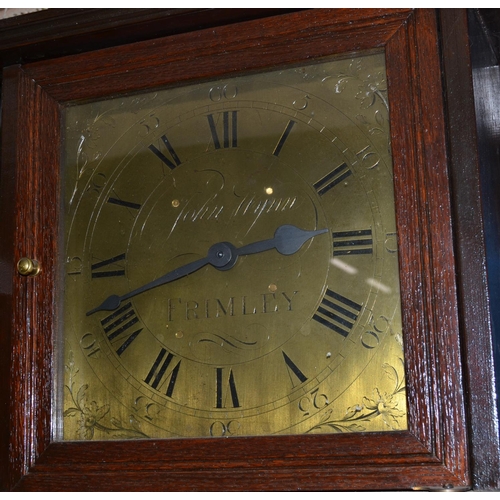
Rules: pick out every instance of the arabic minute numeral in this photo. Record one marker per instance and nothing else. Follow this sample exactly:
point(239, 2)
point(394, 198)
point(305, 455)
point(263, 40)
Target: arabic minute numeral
point(314, 401)
point(90, 345)
point(218, 93)
point(220, 429)
point(97, 182)
point(369, 159)
point(369, 339)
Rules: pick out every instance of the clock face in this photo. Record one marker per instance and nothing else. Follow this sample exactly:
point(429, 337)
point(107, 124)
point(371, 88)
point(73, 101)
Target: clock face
point(230, 260)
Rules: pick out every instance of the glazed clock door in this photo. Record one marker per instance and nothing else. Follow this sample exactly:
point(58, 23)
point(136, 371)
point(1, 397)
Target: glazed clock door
point(247, 276)
point(231, 259)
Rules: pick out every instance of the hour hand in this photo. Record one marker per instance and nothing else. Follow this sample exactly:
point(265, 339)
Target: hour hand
point(287, 240)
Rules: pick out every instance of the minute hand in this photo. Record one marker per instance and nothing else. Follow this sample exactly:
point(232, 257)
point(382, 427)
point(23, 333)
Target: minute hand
point(287, 240)
point(113, 301)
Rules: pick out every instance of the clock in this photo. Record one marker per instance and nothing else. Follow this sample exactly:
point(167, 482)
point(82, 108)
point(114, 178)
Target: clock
point(231, 260)
point(237, 264)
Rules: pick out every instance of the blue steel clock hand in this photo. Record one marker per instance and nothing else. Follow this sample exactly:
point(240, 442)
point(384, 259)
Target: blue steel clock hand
point(287, 240)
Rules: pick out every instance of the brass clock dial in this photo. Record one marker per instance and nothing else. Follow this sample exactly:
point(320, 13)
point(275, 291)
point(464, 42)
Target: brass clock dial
point(231, 259)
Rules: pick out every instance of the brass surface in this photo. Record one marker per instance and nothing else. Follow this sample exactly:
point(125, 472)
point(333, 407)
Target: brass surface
point(304, 341)
point(28, 267)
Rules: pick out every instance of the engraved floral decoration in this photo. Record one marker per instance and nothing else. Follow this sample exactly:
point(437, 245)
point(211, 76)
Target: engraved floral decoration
point(88, 149)
point(380, 404)
point(370, 86)
point(94, 132)
point(371, 89)
point(92, 416)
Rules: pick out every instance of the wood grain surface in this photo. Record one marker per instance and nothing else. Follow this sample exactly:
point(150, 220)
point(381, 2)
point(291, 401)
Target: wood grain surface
point(433, 453)
point(478, 333)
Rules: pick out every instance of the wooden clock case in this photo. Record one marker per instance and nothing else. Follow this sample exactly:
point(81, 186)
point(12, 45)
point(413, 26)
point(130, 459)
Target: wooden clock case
point(452, 443)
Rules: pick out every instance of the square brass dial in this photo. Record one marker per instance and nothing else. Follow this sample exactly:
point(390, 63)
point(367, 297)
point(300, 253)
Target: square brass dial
point(231, 263)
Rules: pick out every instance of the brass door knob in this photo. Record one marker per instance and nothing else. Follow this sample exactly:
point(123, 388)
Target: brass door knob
point(28, 267)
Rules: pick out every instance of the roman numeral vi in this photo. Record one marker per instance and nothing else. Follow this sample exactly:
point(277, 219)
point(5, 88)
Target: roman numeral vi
point(221, 382)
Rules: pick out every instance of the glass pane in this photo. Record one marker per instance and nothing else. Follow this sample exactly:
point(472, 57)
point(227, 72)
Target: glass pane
point(231, 259)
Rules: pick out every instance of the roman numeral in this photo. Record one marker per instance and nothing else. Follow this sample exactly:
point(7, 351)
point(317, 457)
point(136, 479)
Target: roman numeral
point(171, 162)
point(337, 313)
point(293, 371)
point(118, 327)
point(108, 262)
point(158, 374)
point(220, 383)
point(283, 138)
point(353, 242)
point(123, 203)
point(331, 179)
point(229, 130)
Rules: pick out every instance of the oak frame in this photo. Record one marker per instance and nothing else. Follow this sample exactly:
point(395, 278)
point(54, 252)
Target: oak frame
point(432, 454)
